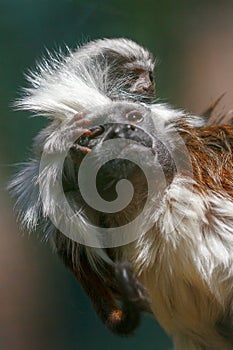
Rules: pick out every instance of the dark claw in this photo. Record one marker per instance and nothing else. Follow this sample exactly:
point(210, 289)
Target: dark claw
point(88, 139)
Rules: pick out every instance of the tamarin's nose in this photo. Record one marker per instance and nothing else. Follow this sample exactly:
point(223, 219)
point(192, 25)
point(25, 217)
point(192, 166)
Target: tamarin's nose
point(148, 87)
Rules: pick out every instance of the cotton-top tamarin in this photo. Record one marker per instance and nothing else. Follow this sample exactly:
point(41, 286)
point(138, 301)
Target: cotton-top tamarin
point(168, 250)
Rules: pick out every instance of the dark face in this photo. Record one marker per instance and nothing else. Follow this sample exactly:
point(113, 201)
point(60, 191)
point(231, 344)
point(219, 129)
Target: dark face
point(130, 79)
point(142, 84)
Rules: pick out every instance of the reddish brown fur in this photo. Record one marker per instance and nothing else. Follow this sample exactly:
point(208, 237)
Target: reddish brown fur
point(210, 149)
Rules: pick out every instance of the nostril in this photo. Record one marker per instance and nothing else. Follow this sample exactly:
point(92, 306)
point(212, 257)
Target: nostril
point(149, 87)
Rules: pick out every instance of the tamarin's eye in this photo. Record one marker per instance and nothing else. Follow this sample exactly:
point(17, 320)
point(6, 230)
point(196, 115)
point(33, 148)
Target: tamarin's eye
point(133, 76)
point(134, 117)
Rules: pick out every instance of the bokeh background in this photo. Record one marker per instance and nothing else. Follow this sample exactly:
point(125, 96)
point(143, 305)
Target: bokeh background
point(41, 305)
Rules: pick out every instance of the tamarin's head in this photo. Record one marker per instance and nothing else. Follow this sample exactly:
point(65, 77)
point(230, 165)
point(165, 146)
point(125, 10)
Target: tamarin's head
point(129, 67)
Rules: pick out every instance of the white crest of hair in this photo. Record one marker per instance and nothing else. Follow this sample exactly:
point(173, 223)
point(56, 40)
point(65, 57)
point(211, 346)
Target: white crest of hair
point(59, 92)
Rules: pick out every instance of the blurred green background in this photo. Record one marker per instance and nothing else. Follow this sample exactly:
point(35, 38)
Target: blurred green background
point(41, 305)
